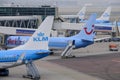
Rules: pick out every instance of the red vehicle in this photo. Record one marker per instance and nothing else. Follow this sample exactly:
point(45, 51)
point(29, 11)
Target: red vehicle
point(113, 47)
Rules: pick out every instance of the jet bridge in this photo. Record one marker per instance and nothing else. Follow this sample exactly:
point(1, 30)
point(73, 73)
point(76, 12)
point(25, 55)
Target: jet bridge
point(20, 21)
point(62, 27)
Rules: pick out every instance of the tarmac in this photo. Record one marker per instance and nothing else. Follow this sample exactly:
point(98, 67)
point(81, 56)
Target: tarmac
point(49, 71)
point(53, 71)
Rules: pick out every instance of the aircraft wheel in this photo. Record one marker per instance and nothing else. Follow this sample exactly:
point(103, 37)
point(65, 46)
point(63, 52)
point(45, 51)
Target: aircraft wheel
point(4, 72)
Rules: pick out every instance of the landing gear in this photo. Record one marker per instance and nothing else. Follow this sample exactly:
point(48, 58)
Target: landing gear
point(51, 53)
point(70, 56)
point(4, 72)
point(32, 72)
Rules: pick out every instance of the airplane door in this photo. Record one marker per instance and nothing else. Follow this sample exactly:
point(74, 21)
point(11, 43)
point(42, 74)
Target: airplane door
point(72, 42)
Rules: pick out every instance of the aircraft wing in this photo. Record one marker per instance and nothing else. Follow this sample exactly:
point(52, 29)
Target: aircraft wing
point(102, 39)
point(13, 64)
point(43, 52)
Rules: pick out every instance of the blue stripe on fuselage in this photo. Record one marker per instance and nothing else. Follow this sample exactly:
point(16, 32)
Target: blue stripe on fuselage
point(13, 55)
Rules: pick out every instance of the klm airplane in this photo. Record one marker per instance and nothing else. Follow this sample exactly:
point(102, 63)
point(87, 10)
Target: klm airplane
point(35, 48)
point(105, 17)
point(103, 23)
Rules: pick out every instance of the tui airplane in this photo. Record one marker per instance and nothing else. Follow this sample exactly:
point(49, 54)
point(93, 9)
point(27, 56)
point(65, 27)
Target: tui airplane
point(84, 38)
point(35, 48)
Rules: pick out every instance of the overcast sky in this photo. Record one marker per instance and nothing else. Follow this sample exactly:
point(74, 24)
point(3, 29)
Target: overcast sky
point(61, 3)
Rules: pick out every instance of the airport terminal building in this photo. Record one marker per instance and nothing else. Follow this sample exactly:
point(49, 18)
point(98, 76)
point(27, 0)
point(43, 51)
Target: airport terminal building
point(28, 11)
point(22, 20)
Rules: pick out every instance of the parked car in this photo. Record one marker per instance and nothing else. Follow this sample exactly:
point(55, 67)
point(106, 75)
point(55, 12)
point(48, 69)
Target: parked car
point(113, 47)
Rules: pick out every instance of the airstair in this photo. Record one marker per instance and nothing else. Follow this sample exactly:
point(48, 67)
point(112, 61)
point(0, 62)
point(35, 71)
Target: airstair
point(68, 50)
point(32, 72)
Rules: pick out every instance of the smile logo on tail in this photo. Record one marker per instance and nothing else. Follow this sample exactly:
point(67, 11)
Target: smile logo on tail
point(88, 33)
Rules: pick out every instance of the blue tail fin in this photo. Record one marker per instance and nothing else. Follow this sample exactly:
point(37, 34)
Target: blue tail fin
point(87, 33)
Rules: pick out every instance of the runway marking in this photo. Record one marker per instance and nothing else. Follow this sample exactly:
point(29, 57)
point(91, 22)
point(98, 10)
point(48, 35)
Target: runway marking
point(116, 61)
